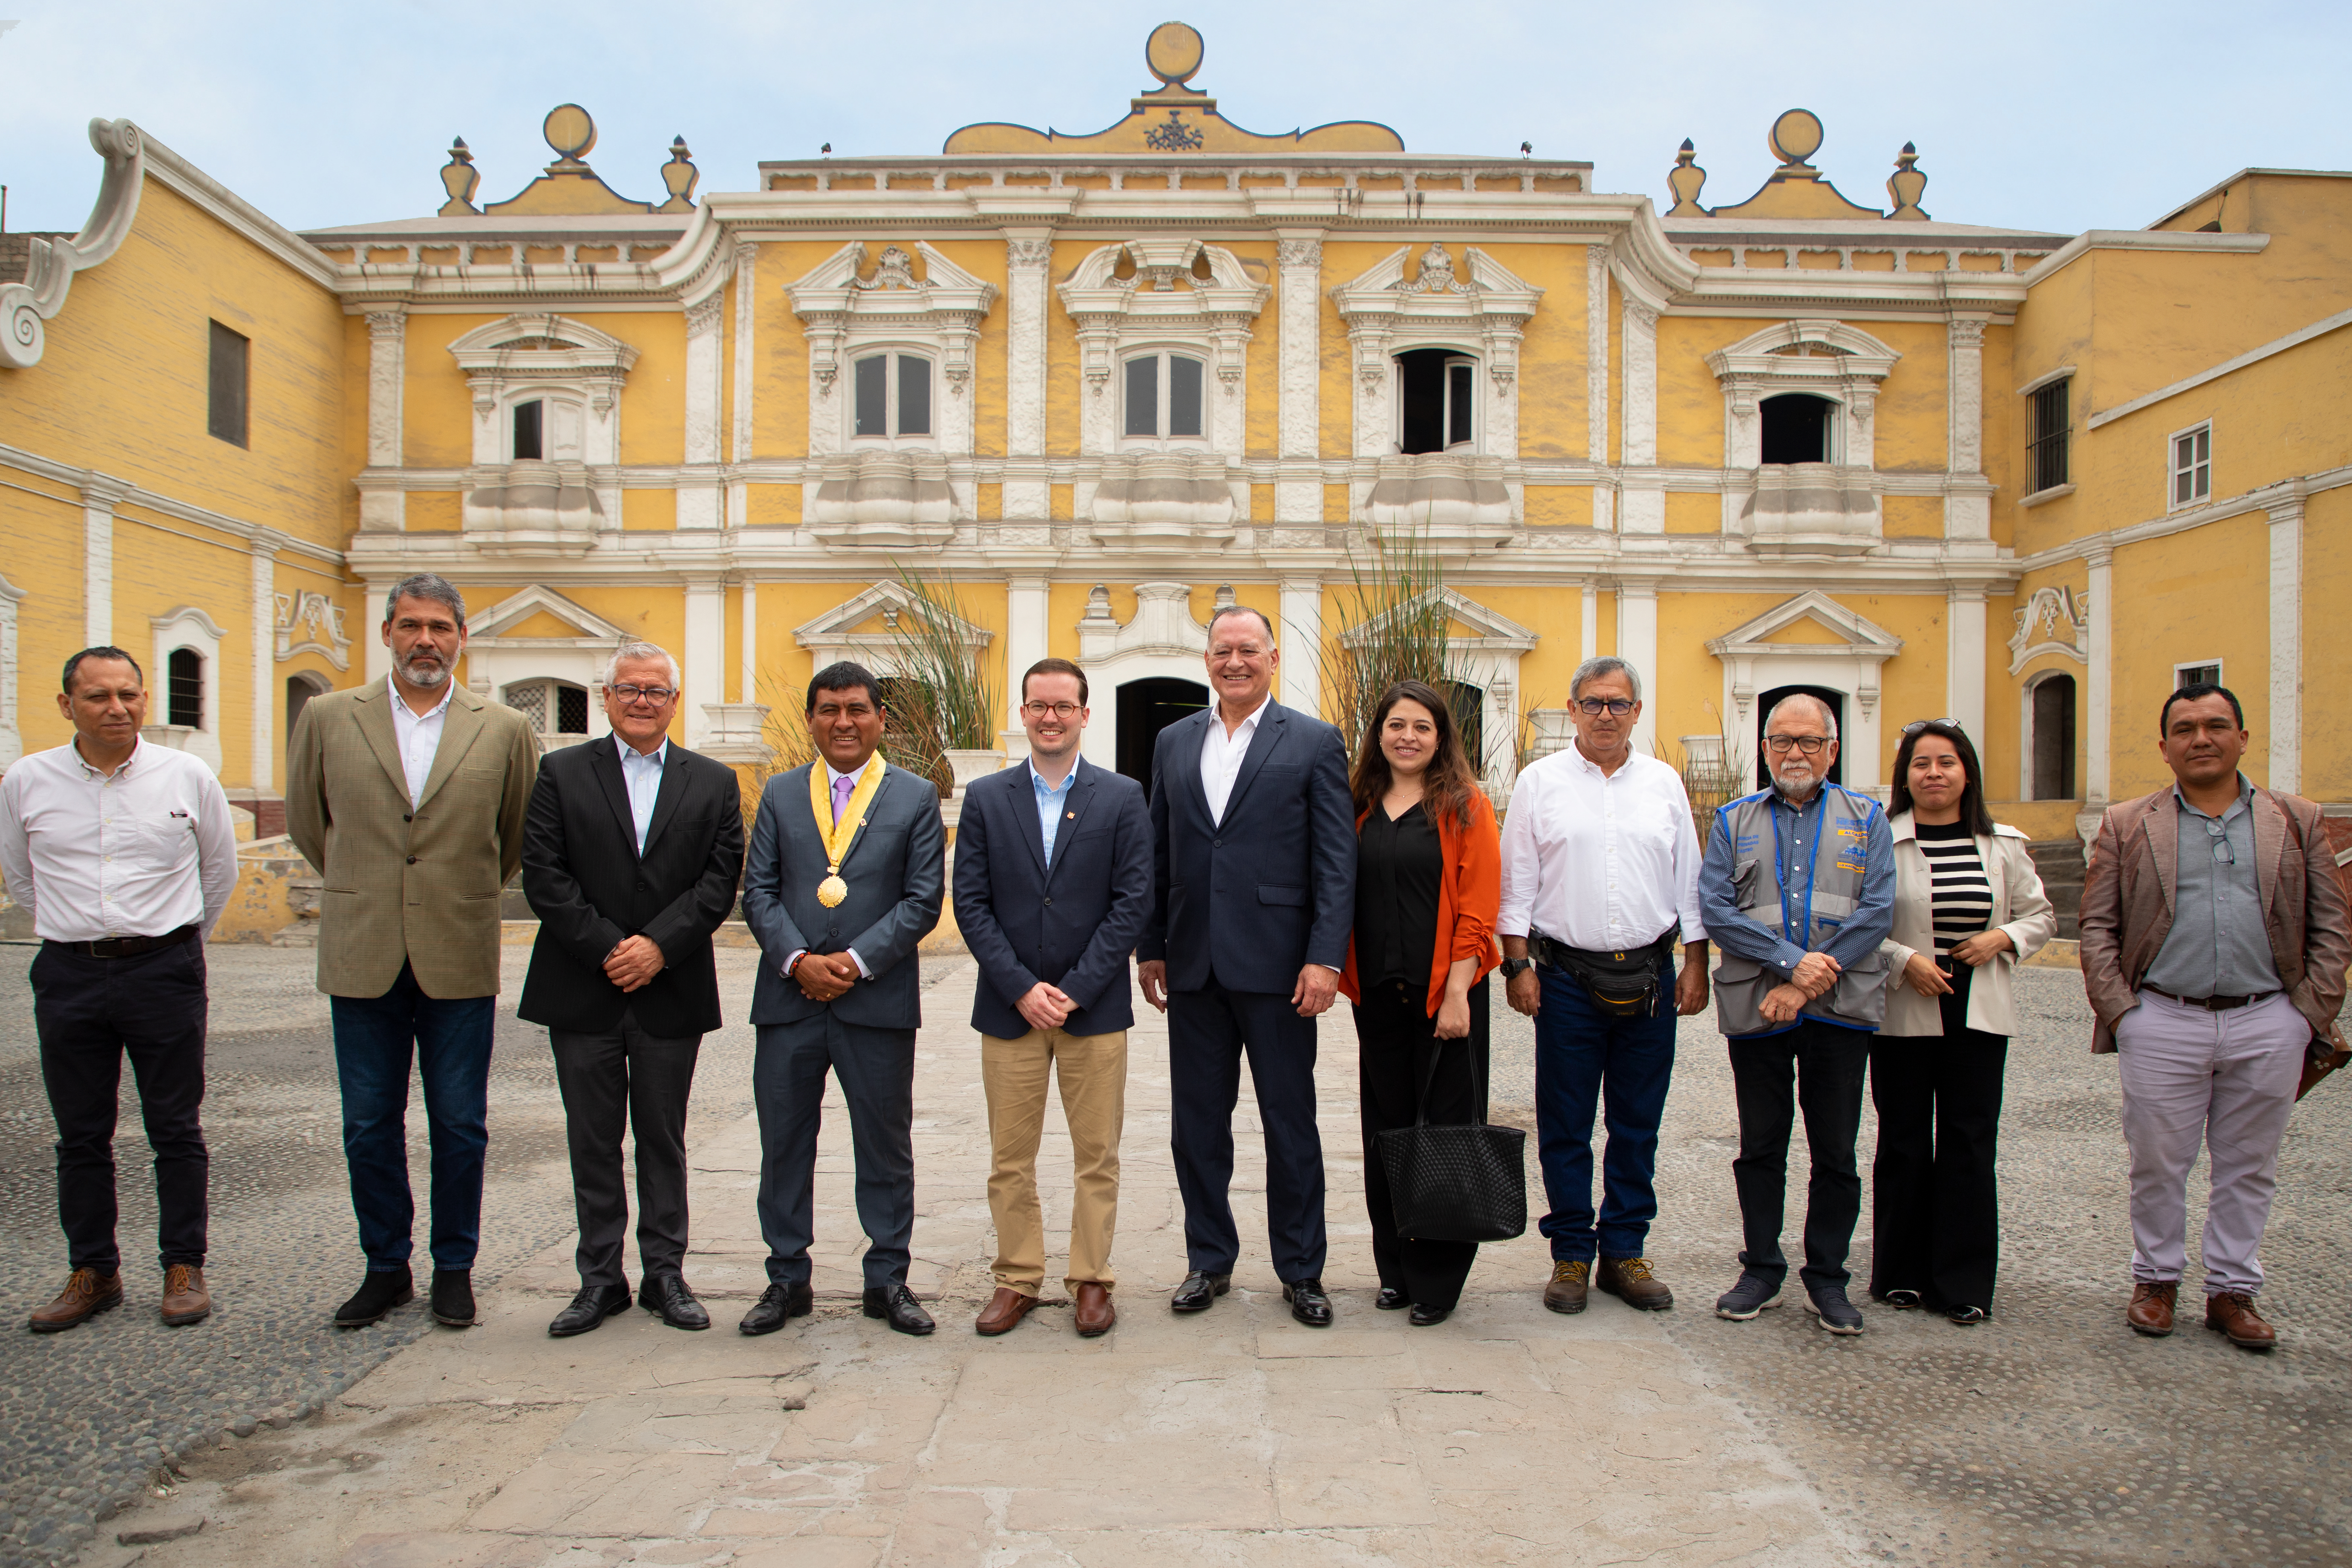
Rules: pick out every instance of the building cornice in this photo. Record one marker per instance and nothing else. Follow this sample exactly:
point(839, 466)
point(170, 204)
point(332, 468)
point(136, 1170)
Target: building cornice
point(2083, 244)
point(258, 536)
point(2251, 356)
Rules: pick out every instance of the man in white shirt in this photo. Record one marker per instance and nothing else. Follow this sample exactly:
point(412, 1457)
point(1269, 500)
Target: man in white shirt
point(1599, 876)
point(124, 854)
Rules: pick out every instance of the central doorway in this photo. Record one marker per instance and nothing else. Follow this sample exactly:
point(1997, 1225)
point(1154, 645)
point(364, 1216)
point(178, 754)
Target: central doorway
point(1836, 701)
point(1146, 707)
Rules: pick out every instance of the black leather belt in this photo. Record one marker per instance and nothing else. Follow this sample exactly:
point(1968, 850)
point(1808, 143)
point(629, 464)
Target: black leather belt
point(2212, 1004)
point(127, 946)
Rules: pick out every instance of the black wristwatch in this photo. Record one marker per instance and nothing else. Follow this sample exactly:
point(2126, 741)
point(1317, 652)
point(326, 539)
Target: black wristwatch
point(1515, 967)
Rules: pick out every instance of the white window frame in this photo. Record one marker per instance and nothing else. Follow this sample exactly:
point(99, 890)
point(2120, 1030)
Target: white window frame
point(189, 628)
point(1833, 423)
point(1455, 355)
point(2212, 664)
point(1201, 354)
point(894, 351)
point(548, 736)
point(2173, 469)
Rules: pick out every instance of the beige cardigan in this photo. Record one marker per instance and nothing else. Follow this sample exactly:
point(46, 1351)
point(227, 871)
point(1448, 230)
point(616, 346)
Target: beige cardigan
point(2020, 907)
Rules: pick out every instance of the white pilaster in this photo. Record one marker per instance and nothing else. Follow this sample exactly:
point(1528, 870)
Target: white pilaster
point(1964, 655)
point(1966, 516)
point(385, 509)
point(100, 494)
point(748, 677)
point(1028, 268)
point(739, 445)
point(1300, 636)
point(705, 653)
point(1589, 643)
point(1298, 300)
point(11, 738)
point(698, 494)
point(1644, 509)
point(264, 730)
point(1637, 645)
point(2286, 648)
point(377, 657)
point(1027, 629)
point(1596, 354)
point(2098, 716)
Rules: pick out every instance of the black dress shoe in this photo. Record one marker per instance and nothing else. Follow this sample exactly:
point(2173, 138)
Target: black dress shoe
point(381, 1291)
point(453, 1297)
point(1200, 1292)
point(1391, 1299)
point(589, 1310)
point(776, 1303)
point(1428, 1317)
point(898, 1304)
point(1307, 1303)
point(667, 1297)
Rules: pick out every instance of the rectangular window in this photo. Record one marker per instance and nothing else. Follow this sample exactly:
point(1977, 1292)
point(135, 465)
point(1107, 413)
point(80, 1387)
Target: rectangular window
point(230, 368)
point(570, 710)
point(2207, 674)
point(873, 395)
point(1461, 395)
point(1183, 395)
point(2046, 451)
point(2192, 465)
point(531, 430)
point(1143, 396)
point(183, 688)
point(914, 396)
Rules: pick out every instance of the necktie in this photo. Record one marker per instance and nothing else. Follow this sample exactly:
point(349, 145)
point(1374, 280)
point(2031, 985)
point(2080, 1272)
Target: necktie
point(841, 788)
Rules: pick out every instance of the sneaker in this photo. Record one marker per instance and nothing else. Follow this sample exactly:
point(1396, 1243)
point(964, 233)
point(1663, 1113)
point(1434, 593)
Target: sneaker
point(1830, 1308)
point(1901, 1300)
point(1967, 1317)
point(1753, 1293)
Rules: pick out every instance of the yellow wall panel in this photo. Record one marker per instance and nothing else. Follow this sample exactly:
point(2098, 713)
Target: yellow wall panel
point(433, 511)
point(1559, 506)
point(1690, 399)
point(1913, 517)
point(1694, 511)
point(2326, 646)
point(436, 408)
point(1555, 352)
point(653, 402)
point(649, 510)
point(1911, 426)
point(2194, 596)
point(773, 506)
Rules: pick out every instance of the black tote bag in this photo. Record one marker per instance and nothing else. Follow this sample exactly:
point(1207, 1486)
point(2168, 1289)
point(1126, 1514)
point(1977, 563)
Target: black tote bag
point(1460, 1183)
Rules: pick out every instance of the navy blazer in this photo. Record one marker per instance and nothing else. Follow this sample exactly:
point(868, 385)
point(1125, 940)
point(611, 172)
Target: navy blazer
point(897, 872)
point(1071, 924)
point(1252, 902)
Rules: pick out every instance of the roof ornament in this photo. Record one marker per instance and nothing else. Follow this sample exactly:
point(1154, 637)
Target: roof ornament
point(681, 176)
point(1796, 189)
point(570, 187)
point(460, 179)
point(1686, 180)
point(1436, 275)
point(896, 269)
point(1906, 184)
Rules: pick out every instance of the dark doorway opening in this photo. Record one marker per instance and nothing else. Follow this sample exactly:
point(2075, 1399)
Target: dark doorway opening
point(2053, 739)
point(1469, 705)
point(1764, 705)
point(1147, 707)
point(1796, 428)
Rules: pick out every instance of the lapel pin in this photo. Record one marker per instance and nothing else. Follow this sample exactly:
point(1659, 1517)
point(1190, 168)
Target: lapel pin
point(1074, 817)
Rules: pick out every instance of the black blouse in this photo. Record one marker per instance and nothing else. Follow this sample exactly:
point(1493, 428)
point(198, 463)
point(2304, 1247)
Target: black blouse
point(1398, 863)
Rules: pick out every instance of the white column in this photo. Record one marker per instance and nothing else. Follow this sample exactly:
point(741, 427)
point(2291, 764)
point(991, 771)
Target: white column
point(748, 679)
point(1027, 629)
point(1966, 516)
point(698, 494)
point(265, 545)
point(1028, 267)
point(385, 509)
point(705, 653)
point(2098, 715)
point(738, 448)
point(1589, 645)
point(12, 739)
point(1637, 645)
point(376, 657)
point(1298, 485)
point(100, 494)
point(1964, 654)
point(1596, 352)
point(2286, 648)
point(1299, 634)
point(1645, 494)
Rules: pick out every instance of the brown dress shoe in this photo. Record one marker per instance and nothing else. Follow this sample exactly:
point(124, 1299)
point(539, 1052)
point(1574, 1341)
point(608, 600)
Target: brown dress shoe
point(2232, 1312)
point(2150, 1311)
point(1095, 1314)
point(1630, 1280)
point(1005, 1310)
point(87, 1294)
point(1570, 1281)
point(185, 1299)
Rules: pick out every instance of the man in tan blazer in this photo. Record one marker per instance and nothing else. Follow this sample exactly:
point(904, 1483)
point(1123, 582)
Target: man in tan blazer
point(2214, 945)
point(408, 797)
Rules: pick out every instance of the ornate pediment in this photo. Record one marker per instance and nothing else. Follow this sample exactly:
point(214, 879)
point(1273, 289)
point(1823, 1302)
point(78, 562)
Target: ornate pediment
point(2054, 620)
point(1476, 302)
point(1850, 634)
point(310, 622)
point(841, 298)
point(1470, 628)
point(866, 628)
point(522, 620)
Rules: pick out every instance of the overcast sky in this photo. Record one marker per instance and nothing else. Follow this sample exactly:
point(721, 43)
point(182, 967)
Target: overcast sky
point(2042, 114)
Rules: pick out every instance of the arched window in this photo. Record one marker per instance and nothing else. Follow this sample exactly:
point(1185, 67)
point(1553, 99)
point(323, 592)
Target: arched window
point(1797, 428)
point(301, 687)
point(2053, 738)
point(1164, 398)
point(890, 396)
point(183, 688)
point(1437, 401)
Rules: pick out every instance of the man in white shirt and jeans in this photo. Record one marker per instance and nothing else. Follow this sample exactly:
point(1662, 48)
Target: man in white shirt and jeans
point(124, 854)
point(1599, 875)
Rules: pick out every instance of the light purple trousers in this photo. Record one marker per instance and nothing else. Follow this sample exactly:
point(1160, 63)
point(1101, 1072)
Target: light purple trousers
point(2223, 1079)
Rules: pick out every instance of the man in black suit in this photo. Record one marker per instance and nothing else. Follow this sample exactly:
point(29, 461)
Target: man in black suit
point(1254, 889)
point(846, 875)
point(631, 850)
point(1052, 884)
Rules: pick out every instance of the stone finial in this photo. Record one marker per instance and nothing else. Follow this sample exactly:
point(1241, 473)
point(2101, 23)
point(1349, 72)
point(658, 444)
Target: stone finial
point(1906, 184)
point(571, 135)
point(459, 178)
point(1686, 180)
point(681, 176)
point(1796, 136)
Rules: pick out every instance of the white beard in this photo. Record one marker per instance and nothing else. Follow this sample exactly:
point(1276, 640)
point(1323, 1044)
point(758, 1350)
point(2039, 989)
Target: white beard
point(428, 677)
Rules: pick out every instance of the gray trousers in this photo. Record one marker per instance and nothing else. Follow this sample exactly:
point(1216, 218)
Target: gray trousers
point(877, 1078)
point(2223, 1079)
point(610, 1081)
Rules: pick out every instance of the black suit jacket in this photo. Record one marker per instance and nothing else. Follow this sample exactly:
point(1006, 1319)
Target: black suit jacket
point(1251, 901)
point(1072, 923)
point(590, 888)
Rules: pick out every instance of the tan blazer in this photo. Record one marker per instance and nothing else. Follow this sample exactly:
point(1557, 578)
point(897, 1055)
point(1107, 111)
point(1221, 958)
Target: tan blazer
point(425, 891)
point(2127, 905)
point(2020, 907)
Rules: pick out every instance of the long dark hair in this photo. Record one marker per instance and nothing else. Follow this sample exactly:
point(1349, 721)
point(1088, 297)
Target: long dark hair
point(1973, 804)
point(1446, 786)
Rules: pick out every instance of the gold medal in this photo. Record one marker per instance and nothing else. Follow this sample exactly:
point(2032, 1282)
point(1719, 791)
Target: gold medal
point(837, 836)
point(830, 891)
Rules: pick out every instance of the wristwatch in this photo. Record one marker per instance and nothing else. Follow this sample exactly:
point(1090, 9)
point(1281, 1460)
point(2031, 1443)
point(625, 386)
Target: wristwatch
point(1515, 967)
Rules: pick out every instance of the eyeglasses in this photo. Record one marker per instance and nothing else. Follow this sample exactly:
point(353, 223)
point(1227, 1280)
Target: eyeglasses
point(1615, 707)
point(657, 695)
point(1779, 746)
point(1916, 725)
point(1064, 711)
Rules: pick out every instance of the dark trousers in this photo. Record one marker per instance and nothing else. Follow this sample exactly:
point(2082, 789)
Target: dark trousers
point(448, 1038)
point(1935, 1207)
point(622, 1078)
point(1826, 1065)
point(1585, 1057)
point(1208, 1033)
point(89, 1013)
point(1396, 1051)
point(877, 1067)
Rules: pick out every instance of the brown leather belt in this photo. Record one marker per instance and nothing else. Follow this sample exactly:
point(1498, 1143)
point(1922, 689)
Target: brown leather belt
point(127, 946)
point(2212, 1004)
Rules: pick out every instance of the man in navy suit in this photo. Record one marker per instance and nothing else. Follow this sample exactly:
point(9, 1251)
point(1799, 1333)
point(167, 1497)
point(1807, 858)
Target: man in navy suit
point(1052, 884)
point(847, 873)
point(1253, 888)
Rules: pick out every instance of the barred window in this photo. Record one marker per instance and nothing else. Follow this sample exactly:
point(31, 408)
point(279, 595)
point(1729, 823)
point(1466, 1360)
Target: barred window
point(2046, 451)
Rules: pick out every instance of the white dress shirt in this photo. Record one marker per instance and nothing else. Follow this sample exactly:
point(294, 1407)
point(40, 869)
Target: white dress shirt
point(1600, 861)
point(418, 735)
point(642, 773)
point(1222, 754)
point(142, 853)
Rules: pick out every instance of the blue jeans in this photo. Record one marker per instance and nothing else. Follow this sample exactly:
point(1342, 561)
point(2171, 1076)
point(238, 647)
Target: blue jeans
point(451, 1041)
point(1585, 1055)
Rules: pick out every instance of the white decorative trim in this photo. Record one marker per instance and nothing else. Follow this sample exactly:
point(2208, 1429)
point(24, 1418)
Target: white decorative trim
point(495, 660)
point(2098, 718)
point(319, 620)
point(2042, 497)
point(577, 370)
point(595, 629)
point(2089, 240)
point(1028, 631)
point(703, 681)
point(1298, 253)
point(1163, 303)
point(1964, 666)
point(2044, 379)
point(1160, 639)
point(747, 298)
point(1482, 307)
point(1596, 368)
point(1301, 617)
point(747, 679)
point(262, 637)
point(2286, 725)
point(387, 376)
point(2048, 611)
point(186, 626)
point(1637, 645)
point(12, 741)
point(833, 635)
point(1028, 260)
point(1964, 344)
point(1754, 664)
point(52, 263)
point(2251, 356)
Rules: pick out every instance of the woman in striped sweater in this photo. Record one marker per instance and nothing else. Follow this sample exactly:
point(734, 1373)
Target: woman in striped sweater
point(1967, 905)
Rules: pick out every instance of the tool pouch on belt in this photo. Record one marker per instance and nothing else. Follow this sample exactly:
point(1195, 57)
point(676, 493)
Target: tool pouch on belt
point(1622, 985)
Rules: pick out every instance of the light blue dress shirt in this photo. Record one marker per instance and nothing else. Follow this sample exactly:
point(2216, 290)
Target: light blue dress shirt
point(642, 771)
point(1050, 804)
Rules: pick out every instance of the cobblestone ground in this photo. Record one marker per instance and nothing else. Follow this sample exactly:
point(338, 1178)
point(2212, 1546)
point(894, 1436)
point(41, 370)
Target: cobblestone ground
point(87, 1416)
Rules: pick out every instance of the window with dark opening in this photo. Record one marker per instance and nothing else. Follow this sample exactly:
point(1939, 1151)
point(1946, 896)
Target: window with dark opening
point(228, 382)
point(2196, 675)
point(1469, 705)
point(2053, 739)
point(570, 710)
point(1437, 401)
point(531, 430)
point(892, 395)
point(1796, 428)
point(2047, 450)
point(183, 688)
point(1163, 399)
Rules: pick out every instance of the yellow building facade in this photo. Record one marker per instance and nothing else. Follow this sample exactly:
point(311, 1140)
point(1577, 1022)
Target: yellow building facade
point(1920, 466)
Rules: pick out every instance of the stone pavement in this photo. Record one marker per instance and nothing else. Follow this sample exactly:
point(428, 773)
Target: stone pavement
point(1507, 1434)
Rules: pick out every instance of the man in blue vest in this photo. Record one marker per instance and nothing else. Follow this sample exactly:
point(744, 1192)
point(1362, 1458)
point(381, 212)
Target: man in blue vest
point(1797, 890)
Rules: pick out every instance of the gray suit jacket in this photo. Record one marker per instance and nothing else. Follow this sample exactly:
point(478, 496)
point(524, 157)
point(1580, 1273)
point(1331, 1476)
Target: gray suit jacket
point(897, 872)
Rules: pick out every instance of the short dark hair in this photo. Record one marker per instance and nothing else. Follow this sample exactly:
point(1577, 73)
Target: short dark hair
point(1055, 667)
point(426, 585)
point(2196, 691)
point(1974, 814)
point(1221, 611)
point(847, 675)
point(104, 651)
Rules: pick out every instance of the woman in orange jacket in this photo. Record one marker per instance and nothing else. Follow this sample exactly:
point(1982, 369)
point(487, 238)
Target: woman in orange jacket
point(1428, 885)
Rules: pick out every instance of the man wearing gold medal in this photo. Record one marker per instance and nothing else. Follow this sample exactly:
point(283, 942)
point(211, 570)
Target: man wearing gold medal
point(847, 872)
